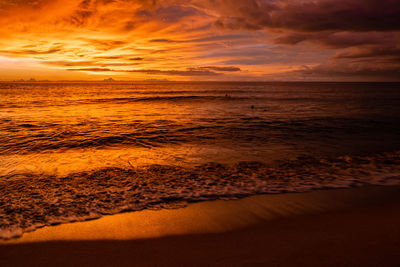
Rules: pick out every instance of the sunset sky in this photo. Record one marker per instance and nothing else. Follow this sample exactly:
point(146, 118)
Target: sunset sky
point(229, 40)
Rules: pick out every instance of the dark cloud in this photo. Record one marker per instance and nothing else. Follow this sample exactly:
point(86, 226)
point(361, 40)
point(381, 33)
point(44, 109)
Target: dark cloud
point(365, 33)
point(307, 16)
point(80, 17)
point(109, 57)
point(136, 58)
point(116, 64)
point(162, 41)
point(107, 44)
point(223, 69)
point(208, 39)
point(340, 39)
point(121, 57)
point(174, 13)
point(344, 70)
point(29, 52)
point(89, 64)
point(188, 72)
point(166, 11)
point(374, 52)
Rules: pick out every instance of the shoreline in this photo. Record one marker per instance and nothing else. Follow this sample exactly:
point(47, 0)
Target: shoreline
point(210, 216)
point(320, 227)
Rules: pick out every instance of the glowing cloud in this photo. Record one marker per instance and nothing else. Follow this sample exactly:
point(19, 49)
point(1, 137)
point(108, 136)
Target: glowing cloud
point(202, 39)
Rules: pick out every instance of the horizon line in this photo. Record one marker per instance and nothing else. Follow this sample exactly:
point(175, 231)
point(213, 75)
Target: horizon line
point(204, 81)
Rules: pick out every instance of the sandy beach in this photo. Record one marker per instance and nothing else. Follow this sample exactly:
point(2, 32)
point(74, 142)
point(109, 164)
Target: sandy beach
point(343, 227)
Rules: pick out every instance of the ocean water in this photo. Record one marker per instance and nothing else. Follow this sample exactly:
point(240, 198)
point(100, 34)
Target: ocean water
point(75, 151)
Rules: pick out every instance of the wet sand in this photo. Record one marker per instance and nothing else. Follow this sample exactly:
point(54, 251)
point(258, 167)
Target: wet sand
point(344, 227)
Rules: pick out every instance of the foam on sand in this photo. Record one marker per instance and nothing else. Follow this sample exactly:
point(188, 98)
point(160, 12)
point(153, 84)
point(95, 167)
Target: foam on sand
point(33, 201)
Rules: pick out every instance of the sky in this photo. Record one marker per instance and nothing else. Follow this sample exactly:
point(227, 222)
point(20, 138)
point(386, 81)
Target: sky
point(207, 40)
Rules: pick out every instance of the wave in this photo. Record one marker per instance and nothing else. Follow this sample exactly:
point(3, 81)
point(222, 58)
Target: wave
point(30, 201)
point(31, 137)
point(160, 97)
point(118, 100)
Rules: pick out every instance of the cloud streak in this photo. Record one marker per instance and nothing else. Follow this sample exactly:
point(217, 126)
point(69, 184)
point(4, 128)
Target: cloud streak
point(199, 71)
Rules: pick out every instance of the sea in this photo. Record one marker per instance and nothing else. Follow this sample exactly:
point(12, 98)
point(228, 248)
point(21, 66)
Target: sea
point(73, 151)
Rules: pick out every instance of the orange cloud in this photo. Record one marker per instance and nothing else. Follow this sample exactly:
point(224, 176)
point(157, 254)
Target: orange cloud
point(219, 39)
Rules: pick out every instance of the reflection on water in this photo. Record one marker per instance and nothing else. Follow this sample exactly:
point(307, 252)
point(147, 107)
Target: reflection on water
point(63, 163)
point(78, 150)
point(55, 127)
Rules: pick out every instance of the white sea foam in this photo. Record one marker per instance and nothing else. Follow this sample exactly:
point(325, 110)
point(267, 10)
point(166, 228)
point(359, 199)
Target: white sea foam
point(32, 201)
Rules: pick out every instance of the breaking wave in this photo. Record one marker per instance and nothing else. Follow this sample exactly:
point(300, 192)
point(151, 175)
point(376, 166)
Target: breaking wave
point(31, 201)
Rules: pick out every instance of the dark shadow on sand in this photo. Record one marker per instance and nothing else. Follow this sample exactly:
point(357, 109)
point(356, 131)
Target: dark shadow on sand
point(366, 236)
